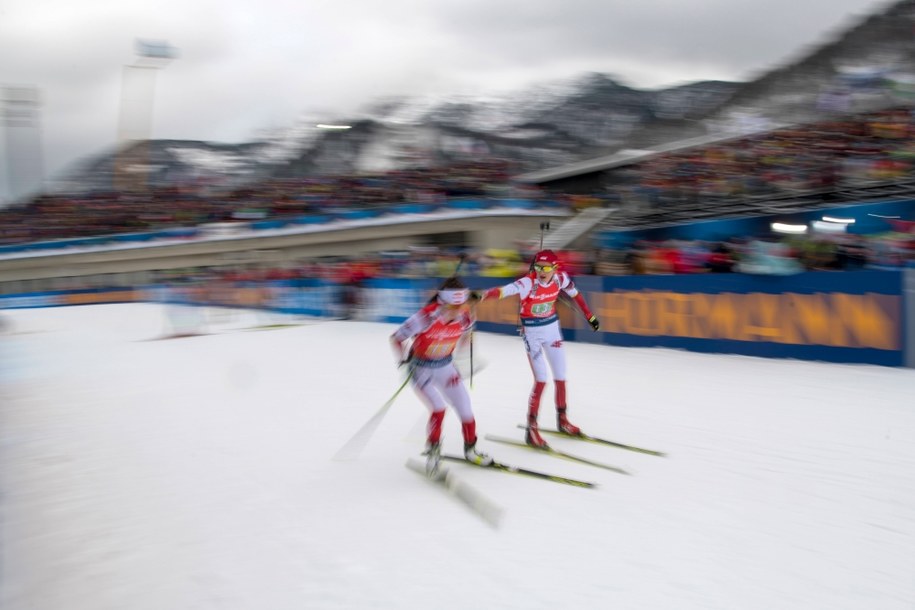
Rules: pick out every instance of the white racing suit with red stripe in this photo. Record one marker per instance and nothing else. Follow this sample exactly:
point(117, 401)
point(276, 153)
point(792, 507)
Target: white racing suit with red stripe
point(542, 334)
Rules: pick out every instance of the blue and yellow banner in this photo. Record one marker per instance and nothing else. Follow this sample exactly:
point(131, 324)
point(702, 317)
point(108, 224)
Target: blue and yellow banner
point(838, 317)
point(832, 316)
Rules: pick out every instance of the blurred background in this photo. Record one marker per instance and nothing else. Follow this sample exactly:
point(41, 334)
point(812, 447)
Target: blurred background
point(719, 178)
point(775, 153)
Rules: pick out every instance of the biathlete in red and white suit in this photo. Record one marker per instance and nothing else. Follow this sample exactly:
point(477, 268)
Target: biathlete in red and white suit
point(542, 334)
point(436, 330)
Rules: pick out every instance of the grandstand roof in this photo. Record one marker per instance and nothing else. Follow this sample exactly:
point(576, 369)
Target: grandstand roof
point(625, 157)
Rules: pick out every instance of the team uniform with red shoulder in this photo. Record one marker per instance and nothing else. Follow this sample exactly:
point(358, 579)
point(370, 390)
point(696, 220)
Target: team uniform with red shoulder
point(538, 293)
point(436, 330)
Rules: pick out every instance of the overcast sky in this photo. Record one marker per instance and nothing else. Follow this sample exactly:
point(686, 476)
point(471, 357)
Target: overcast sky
point(244, 66)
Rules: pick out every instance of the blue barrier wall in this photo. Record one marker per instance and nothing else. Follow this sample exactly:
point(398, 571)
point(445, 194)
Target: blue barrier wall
point(855, 317)
point(836, 317)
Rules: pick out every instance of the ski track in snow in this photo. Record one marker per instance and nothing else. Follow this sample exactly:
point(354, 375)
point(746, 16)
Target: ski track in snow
point(196, 473)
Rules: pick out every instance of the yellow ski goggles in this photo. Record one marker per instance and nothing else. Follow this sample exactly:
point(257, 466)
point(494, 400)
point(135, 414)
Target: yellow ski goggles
point(546, 268)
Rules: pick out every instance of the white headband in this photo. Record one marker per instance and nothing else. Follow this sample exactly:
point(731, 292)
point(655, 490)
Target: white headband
point(454, 296)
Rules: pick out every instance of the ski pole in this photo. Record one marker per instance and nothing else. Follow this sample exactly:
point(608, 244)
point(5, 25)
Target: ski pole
point(544, 226)
point(471, 360)
point(357, 443)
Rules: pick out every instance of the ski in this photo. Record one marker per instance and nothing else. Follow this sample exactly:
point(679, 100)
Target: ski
point(498, 466)
point(470, 497)
point(599, 441)
point(555, 453)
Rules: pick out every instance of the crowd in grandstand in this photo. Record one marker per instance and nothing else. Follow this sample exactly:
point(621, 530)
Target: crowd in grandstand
point(873, 146)
point(61, 216)
point(765, 256)
point(853, 149)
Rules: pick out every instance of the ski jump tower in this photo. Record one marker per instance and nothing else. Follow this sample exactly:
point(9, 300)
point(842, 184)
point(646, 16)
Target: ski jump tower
point(24, 167)
point(131, 165)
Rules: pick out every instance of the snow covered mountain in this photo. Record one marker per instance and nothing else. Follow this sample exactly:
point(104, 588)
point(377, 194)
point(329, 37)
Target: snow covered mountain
point(872, 64)
point(539, 127)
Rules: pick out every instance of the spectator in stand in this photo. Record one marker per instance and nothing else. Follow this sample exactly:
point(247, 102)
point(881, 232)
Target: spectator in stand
point(635, 259)
point(721, 259)
point(850, 253)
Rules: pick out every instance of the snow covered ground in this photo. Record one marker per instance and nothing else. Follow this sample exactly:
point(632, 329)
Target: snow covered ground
point(196, 473)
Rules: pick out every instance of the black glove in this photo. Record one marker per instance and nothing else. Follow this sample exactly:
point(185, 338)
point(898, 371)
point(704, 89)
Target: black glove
point(594, 322)
point(476, 295)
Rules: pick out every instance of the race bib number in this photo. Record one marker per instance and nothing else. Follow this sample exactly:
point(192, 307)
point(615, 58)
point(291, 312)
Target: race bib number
point(541, 309)
point(439, 349)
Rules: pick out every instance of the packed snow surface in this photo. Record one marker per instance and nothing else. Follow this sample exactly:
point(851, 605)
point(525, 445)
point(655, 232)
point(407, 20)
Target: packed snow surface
point(195, 473)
